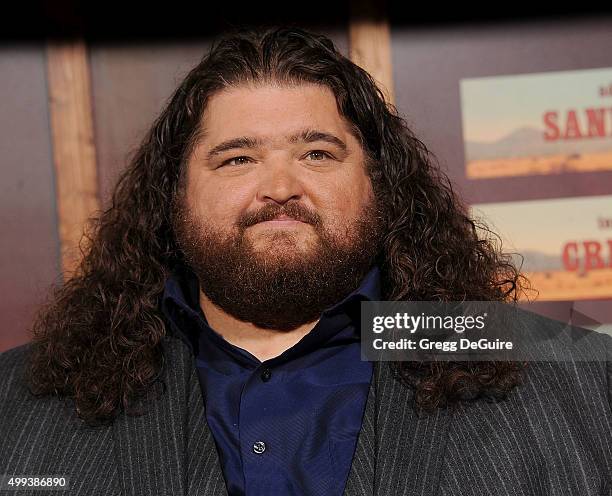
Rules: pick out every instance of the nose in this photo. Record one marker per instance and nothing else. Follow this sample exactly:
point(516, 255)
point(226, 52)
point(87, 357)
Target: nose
point(279, 181)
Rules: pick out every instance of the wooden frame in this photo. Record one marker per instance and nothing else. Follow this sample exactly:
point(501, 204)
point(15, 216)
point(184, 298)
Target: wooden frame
point(370, 43)
point(72, 134)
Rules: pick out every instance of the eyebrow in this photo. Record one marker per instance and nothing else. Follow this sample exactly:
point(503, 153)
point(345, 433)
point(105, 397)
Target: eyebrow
point(304, 136)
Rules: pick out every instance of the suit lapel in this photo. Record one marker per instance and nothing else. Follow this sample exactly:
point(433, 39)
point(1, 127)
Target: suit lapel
point(360, 480)
point(170, 449)
point(398, 452)
point(204, 474)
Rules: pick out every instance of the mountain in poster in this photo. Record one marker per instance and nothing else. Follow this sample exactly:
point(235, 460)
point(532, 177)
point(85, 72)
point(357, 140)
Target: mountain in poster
point(528, 142)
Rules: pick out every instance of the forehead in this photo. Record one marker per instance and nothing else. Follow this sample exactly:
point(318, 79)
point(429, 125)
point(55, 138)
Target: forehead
point(271, 111)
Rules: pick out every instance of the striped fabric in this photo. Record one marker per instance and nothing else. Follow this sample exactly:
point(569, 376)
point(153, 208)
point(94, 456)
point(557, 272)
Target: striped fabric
point(551, 437)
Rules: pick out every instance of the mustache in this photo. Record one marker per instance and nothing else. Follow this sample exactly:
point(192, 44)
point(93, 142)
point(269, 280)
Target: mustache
point(294, 211)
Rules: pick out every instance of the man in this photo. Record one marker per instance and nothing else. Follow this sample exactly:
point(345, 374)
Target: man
point(209, 343)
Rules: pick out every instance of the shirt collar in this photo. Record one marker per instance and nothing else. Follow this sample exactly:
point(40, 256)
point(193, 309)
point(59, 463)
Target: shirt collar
point(180, 302)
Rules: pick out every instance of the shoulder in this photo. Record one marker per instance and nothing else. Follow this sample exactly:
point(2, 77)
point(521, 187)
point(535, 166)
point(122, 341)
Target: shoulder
point(23, 410)
point(571, 378)
point(553, 432)
point(18, 405)
point(567, 395)
point(561, 410)
point(13, 363)
point(12, 358)
point(579, 365)
point(43, 433)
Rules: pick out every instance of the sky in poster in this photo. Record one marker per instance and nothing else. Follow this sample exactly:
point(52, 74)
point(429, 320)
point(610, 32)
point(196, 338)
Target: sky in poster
point(545, 225)
point(494, 107)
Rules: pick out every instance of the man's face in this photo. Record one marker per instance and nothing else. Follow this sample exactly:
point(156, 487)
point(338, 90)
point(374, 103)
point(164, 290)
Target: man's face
point(268, 152)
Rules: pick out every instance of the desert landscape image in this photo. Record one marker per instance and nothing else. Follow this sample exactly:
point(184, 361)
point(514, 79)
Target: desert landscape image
point(537, 124)
point(524, 153)
point(555, 285)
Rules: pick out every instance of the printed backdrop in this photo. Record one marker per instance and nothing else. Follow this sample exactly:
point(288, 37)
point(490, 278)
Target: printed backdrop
point(546, 124)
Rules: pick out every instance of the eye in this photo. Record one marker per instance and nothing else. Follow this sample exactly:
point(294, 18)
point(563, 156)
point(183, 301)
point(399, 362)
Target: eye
point(318, 155)
point(234, 161)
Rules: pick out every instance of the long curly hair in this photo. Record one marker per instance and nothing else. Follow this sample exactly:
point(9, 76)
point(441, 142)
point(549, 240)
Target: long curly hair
point(97, 339)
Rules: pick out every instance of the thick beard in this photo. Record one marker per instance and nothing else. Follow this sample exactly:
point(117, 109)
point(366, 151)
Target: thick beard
point(282, 289)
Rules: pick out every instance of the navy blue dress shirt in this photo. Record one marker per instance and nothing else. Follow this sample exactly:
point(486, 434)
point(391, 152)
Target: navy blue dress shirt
point(287, 425)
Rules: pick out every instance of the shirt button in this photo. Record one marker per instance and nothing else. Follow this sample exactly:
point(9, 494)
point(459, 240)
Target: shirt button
point(266, 374)
point(259, 447)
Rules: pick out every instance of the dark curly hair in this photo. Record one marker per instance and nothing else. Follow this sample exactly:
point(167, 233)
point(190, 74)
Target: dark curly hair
point(98, 338)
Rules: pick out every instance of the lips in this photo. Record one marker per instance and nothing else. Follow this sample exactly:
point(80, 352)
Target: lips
point(284, 217)
point(281, 220)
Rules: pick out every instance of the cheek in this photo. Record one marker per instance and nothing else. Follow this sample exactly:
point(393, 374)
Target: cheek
point(218, 202)
point(347, 197)
point(341, 210)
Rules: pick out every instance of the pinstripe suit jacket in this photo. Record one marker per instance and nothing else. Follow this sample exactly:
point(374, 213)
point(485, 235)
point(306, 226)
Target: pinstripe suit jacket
point(551, 437)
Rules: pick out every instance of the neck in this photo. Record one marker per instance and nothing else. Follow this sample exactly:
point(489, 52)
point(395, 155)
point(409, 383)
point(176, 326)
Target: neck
point(261, 343)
